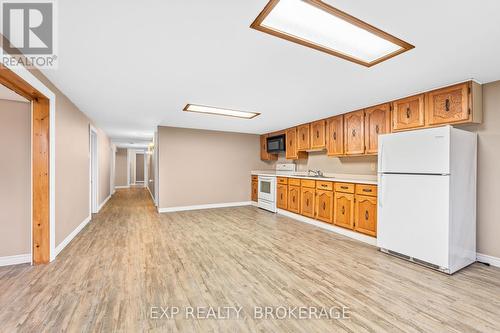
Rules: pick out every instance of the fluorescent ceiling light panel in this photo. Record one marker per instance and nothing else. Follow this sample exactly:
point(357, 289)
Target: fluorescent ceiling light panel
point(220, 111)
point(314, 24)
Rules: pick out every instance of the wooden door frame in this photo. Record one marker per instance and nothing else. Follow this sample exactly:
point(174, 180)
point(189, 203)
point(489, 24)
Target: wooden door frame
point(43, 101)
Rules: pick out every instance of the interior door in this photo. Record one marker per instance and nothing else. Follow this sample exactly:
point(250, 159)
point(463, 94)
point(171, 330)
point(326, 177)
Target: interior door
point(413, 216)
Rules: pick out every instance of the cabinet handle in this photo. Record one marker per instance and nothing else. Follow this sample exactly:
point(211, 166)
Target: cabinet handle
point(323, 185)
point(307, 202)
point(344, 187)
point(343, 210)
point(367, 190)
point(377, 129)
point(281, 196)
point(317, 134)
point(293, 199)
point(366, 215)
point(334, 135)
point(447, 105)
point(290, 143)
point(408, 112)
point(324, 206)
point(353, 132)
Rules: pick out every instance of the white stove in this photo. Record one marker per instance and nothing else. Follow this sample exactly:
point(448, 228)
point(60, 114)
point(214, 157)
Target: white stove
point(267, 186)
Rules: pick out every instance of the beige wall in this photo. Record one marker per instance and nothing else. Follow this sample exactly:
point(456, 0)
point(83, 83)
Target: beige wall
point(205, 167)
point(105, 151)
point(488, 183)
point(15, 176)
point(73, 164)
point(151, 174)
point(121, 167)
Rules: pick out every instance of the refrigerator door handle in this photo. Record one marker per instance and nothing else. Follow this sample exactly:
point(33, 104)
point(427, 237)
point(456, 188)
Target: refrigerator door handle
point(381, 157)
point(381, 194)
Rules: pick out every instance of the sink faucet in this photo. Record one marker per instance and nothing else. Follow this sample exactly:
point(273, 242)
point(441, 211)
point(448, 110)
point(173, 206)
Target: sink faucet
point(317, 173)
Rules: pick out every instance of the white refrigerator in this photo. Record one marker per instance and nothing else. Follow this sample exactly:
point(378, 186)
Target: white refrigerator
point(427, 197)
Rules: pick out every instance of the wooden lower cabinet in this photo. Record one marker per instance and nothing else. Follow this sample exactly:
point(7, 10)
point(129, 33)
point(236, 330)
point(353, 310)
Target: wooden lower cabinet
point(344, 210)
point(307, 196)
point(255, 188)
point(324, 206)
point(366, 215)
point(294, 199)
point(281, 196)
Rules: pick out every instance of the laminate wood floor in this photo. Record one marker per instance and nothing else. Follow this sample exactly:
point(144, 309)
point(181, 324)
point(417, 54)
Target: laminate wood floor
point(130, 261)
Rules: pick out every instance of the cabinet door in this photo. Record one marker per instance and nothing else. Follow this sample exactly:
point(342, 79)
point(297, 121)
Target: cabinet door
point(318, 134)
point(294, 199)
point(303, 142)
point(448, 105)
point(264, 155)
point(255, 189)
point(366, 215)
point(344, 210)
point(335, 136)
point(377, 121)
point(408, 113)
point(354, 133)
point(281, 196)
point(307, 201)
point(324, 205)
point(292, 152)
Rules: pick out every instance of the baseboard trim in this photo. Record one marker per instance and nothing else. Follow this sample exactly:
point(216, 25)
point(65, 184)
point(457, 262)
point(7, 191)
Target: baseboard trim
point(124, 186)
point(207, 206)
point(15, 260)
point(103, 203)
point(72, 235)
point(493, 261)
point(344, 232)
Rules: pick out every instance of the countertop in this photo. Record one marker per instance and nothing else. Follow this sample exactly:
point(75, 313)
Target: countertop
point(341, 178)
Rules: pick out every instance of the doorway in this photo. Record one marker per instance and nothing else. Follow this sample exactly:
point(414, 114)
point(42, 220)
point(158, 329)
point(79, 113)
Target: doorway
point(139, 168)
point(94, 172)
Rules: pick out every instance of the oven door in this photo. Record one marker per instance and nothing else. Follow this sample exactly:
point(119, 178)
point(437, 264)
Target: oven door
point(267, 188)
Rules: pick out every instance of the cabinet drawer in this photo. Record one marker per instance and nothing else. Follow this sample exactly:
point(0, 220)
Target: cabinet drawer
point(294, 181)
point(308, 183)
point(326, 186)
point(344, 187)
point(255, 178)
point(364, 189)
point(282, 180)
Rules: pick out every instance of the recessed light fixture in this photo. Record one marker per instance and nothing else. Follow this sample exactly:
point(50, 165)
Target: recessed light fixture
point(220, 111)
point(314, 24)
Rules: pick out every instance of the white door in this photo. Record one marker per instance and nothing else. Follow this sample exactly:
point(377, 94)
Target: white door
point(421, 151)
point(413, 216)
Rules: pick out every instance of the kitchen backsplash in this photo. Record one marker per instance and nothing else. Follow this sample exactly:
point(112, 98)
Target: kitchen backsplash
point(359, 165)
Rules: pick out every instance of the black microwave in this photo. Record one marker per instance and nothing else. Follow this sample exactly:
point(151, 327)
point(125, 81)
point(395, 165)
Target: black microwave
point(276, 144)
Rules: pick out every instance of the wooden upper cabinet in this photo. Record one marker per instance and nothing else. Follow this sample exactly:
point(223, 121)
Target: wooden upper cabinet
point(264, 155)
point(377, 121)
point(318, 134)
point(408, 113)
point(303, 140)
point(335, 136)
point(292, 152)
point(354, 133)
point(448, 105)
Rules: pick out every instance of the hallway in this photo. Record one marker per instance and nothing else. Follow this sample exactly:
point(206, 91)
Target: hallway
point(130, 259)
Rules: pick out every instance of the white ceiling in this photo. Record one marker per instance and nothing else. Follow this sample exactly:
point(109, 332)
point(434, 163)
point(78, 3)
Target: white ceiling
point(132, 65)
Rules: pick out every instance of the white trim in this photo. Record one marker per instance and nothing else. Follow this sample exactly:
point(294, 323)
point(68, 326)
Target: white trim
point(15, 260)
point(103, 203)
point(493, 261)
point(40, 86)
point(72, 235)
point(207, 206)
point(348, 233)
point(124, 186)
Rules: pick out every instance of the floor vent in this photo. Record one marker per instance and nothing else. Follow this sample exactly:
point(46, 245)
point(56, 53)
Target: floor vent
point(415, 260)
